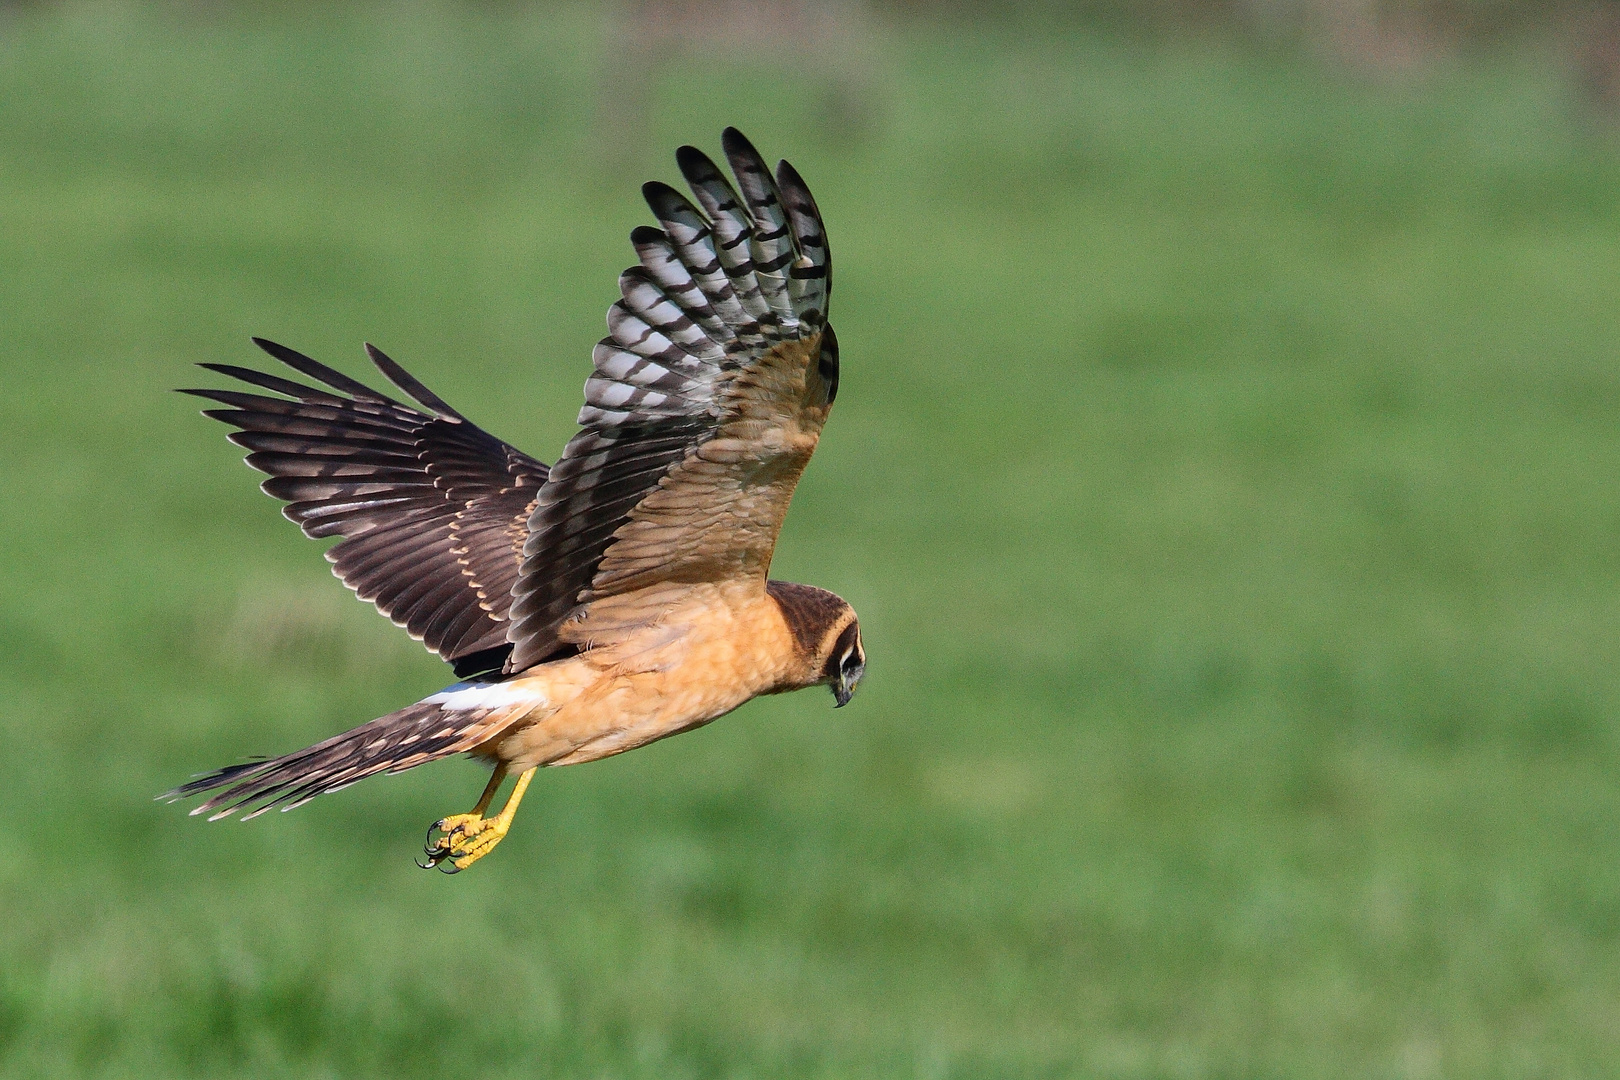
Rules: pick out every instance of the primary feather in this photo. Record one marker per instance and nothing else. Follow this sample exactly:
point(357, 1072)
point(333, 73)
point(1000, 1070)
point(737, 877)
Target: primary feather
point(432, 510)
point(716, 294)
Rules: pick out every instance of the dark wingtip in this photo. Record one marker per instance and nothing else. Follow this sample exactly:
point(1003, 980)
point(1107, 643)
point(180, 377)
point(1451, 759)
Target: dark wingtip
point(410, 384)
point(205, 365)
point(736, 144)
point(207, 395)
point(642, 235)
point(290, 357)
point(698, 168)
point(787, 176)
point(321, 373)
point(688, 156)
point(665, 202)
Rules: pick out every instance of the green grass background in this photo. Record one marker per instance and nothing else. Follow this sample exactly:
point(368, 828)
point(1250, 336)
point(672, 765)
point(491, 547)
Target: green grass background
point(1224, 472)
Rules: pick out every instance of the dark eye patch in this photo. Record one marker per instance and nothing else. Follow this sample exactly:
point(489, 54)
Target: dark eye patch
point(845, 644)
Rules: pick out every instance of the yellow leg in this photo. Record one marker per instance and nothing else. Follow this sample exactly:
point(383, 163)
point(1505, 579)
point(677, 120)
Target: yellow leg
point(490, 789)
point(466, 838)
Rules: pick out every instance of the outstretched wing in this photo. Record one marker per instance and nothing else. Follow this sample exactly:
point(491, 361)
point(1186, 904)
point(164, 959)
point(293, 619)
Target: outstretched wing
point(706, 403)
point(433, 511)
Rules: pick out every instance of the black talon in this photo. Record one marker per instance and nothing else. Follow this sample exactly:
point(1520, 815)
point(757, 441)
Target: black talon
point(439, 851)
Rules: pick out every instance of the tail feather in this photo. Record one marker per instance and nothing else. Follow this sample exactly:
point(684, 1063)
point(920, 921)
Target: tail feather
point(450, 722)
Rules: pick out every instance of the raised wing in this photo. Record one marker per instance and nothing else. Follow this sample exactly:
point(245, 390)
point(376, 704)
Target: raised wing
point(433, 510)
point(706, 403)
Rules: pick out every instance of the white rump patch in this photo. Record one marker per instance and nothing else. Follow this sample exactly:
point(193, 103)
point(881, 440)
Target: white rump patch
point(463, 697)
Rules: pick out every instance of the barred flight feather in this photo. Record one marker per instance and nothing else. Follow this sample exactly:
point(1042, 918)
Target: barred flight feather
point(730, 227)
point(770, 240)
point(693, 244)
point(432, 510)
point(717, 289)
point(810, 276)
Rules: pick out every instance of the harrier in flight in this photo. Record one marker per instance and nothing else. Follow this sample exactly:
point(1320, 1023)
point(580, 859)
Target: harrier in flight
point(618, 596)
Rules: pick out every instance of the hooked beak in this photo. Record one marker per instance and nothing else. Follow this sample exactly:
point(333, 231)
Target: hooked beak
point(843, 687)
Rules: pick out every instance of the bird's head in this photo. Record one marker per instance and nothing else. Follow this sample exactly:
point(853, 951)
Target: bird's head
point(845, 662)
point(826, 639)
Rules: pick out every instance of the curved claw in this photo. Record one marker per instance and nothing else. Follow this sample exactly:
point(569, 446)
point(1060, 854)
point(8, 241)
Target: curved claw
point(428, 845)
point(440, 853)
point(462, 840)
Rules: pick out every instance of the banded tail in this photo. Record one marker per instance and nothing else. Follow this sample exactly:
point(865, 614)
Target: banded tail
point(457, 719)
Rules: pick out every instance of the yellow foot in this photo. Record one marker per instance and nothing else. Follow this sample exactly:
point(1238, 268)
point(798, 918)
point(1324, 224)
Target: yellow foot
point(463, 840)
point(466, 838)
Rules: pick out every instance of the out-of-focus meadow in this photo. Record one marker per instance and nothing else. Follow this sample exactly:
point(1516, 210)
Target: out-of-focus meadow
point(1225, 471)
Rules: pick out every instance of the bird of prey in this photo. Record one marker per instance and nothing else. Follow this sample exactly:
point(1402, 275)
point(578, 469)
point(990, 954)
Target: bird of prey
point(618, 596)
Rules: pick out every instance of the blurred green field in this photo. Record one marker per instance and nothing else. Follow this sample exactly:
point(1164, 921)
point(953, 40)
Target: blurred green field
point(1224, 471)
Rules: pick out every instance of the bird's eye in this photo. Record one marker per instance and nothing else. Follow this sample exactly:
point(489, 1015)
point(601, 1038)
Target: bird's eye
point(850, 662)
